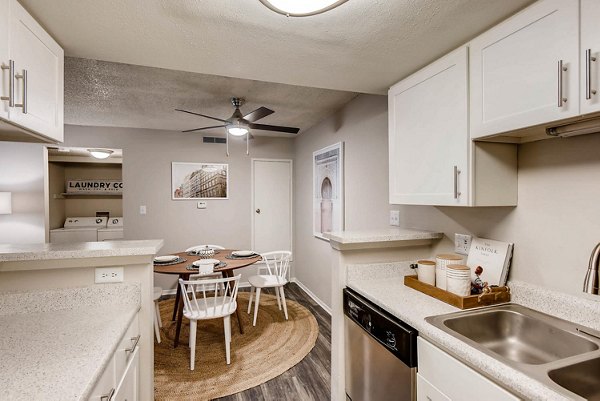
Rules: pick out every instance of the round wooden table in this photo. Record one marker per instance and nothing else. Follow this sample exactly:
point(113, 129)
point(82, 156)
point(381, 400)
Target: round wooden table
point(181, 270)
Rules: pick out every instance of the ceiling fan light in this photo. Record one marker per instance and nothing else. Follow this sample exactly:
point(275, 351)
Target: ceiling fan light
point(100, 153)
point(237, 130)
point(295, 8)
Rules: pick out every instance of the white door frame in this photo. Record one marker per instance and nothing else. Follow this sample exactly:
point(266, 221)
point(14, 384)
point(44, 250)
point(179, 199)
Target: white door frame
point(252, 206)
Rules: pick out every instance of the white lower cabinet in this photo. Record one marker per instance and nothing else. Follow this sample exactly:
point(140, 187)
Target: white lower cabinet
point(120, 380)
point(443, 377)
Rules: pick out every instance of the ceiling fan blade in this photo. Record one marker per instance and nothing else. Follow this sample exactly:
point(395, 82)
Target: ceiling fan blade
point(257, 114)
point(202, 115)
point(200, 129)
point(264, 127)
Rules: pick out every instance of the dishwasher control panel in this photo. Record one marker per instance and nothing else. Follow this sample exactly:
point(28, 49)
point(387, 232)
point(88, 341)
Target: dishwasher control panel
point(398, 337)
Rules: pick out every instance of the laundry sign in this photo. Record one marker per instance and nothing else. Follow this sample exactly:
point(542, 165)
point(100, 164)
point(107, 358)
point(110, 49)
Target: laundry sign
point(95, 186)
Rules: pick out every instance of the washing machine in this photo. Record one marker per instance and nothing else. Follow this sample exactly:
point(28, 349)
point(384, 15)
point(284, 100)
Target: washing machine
point(78, 229)
point(113, 231)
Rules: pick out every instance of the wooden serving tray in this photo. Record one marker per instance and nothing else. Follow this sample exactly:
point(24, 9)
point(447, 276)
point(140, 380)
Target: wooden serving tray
point(471, 301)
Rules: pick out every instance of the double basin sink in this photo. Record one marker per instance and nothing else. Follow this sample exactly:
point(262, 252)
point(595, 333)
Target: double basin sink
point(563, 355)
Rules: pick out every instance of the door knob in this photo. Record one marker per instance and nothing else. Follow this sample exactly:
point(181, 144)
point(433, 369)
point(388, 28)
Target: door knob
point(258, 211)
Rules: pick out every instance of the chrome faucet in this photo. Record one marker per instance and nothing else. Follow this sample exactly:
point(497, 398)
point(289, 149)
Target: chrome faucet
point(590, 284)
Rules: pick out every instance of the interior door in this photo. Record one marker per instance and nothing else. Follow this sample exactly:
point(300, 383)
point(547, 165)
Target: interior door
point(515, 76)
point(271, 205)
point(590, 56)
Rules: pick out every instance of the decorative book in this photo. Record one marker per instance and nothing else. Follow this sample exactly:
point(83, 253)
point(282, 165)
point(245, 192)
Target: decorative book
point(494, 257)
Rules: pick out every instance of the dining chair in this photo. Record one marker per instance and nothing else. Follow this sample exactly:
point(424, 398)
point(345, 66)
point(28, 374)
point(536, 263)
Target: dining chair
point(276, 264)
point(157, 320)
point(200, 304)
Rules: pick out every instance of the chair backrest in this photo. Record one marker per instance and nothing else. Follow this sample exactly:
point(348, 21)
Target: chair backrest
point(199, 295)
point(277, 263)
point(196, 247)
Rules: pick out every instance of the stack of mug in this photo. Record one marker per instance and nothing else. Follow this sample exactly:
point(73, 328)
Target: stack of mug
point(447, 272)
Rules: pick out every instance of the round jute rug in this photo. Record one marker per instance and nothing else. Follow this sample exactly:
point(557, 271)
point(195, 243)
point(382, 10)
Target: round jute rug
point(260, 354)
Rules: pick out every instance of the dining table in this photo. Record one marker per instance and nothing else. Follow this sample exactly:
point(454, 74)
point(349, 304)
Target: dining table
point(183, 271)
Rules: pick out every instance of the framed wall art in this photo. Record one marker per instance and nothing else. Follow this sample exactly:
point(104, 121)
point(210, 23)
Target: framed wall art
point(199, 181)
point(328, 190)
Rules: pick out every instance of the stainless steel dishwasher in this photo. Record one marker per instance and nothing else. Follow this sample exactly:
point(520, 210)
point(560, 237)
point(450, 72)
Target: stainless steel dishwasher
point(381, 353)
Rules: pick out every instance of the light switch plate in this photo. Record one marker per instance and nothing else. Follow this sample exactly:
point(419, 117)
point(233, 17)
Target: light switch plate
point(201, 205)
point(394, 218)
point(143, 209)
point(462, 243)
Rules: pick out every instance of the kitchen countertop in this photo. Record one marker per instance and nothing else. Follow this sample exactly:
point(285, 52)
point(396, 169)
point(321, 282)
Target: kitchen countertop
point(77, 250)
point(391, 235)
point(383, 284)
point(55, 349)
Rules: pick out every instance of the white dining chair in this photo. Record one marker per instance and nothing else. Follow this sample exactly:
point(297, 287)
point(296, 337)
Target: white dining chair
point(157, 320)
point(200, 304)
point(273, 274)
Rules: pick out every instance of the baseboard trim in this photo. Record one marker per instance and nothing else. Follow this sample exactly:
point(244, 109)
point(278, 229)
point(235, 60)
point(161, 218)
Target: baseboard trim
point(312, 295)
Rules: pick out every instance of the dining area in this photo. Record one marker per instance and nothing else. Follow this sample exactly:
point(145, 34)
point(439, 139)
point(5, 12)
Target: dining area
point(217, 335)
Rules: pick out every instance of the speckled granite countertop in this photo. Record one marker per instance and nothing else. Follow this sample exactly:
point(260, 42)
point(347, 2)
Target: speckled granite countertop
point(56, 345)
point(383, 284)
point(15, 253)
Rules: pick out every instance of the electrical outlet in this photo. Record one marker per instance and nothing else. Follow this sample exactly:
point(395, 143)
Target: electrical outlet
point(462, 243)
point(109, 275)
point(394, 218)
point(143, 209)
point(201, 205)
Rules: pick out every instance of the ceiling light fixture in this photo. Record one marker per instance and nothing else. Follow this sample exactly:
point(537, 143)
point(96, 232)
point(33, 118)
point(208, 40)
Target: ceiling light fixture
point(304, 8)
point(100, 153)
point(237, 130)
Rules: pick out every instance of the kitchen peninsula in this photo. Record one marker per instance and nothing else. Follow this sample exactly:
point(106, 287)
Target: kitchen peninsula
point(65, 275)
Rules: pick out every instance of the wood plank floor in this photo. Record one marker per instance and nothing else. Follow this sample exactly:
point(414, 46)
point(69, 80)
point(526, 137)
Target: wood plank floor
point(309, 379)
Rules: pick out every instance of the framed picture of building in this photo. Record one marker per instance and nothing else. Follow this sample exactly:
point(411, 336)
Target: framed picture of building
point(328, 190)
point(199, 181)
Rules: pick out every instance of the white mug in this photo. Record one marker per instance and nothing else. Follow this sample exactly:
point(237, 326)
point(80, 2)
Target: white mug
point(426, 271)
point(205, 268)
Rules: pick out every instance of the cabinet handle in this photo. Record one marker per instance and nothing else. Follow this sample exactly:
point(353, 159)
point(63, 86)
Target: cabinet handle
point(561, 69)
point(108, 396)
point(456, 173)
point(11, 83)
point(588, 74)
point(135, 340)
point(23, 105)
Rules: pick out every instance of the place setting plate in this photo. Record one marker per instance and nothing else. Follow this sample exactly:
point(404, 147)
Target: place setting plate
point(242, 255)
point(217, 264)
point(166, 260)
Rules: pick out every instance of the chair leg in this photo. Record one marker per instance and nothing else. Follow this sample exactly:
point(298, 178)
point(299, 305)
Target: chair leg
point(227, 325)
point(158, 314)
point(250, 299)
point(277, 295)
point(256, 303)
point(284, 304)
point(193, 324)
point(156, 323)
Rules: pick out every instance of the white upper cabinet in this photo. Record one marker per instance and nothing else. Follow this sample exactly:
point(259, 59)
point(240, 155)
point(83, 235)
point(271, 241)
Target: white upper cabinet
point(590, 56)
point(37, 78)
point(516, 79)
point(4, 59)
point(428, 134)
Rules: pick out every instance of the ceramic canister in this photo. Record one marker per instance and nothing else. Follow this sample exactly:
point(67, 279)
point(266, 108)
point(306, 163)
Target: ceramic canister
point(426, 271)
point(441, 261)
point(458, 280)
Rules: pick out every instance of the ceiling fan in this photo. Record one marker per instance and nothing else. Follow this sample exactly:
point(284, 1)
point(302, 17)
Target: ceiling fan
point(239, 124)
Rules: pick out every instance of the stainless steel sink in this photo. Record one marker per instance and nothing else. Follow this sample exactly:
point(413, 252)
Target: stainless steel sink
point(514, 334)
point(561, 354)
point(582, 378)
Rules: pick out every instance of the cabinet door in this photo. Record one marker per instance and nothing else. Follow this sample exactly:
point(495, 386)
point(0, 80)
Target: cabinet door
point(427, 391)
point(35, 51)
point(4, 57)
point(590, 56)
point(128, 388)
point(428, 134)
point(515, 79)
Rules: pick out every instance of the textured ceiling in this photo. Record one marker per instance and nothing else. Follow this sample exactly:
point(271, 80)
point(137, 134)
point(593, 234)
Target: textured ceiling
point(99, 93)
point(361, 46)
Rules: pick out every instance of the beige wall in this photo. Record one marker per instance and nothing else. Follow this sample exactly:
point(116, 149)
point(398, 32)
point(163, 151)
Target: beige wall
point(147, 157)
point(554, 227)
point(22, 172)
